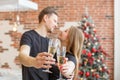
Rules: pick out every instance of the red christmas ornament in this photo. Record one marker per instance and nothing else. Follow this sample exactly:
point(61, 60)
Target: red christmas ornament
point(90, 61)
point(97, 76)
point(102, 60)
point(88, 24)
point(84, 27)
point(98, 38)
point(103, 69)
point(94, 50)
point(89, 54)
point(94, 30)
point(87, 74)
point(93, 75)
point(86, 16)
point(86, 35)
point(93, 58)
point(83, 51)
point(81, 72)
point(100, 47)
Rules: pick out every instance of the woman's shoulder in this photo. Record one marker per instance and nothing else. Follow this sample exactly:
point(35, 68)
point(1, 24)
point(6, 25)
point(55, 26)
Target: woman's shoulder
point(71, 57)
point(69, 53)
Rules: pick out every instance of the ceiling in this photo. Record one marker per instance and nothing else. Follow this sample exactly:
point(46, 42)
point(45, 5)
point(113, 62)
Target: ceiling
point(17, 5)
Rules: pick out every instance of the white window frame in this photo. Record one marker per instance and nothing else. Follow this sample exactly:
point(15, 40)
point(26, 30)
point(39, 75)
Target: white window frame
point(116, 39)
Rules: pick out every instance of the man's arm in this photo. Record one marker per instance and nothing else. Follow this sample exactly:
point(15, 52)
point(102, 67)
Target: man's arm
point(39, 61)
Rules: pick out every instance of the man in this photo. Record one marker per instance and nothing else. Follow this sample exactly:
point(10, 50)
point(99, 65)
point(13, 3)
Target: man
point(34, 46)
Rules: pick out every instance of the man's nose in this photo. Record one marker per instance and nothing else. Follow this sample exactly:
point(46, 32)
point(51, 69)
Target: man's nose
point(56, 25)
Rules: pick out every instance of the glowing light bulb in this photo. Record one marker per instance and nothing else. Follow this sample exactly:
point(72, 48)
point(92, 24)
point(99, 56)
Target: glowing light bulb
point(14, 29)
point(15, 26)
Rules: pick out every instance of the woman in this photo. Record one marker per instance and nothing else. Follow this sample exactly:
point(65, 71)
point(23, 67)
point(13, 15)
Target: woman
point(73, 39)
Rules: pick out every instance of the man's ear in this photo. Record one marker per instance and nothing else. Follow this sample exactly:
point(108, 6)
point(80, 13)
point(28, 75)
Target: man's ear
point(45, 18)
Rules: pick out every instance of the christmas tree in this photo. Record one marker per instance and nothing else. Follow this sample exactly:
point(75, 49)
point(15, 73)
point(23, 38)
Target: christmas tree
point(92, 64)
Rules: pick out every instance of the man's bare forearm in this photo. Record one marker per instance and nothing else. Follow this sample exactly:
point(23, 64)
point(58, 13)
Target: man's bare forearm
point(27, 60)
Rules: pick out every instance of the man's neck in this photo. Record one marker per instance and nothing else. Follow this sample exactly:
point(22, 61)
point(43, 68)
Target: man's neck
point(41, 30)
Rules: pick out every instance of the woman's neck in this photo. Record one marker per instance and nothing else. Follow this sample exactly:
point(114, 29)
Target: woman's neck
point(63, 43)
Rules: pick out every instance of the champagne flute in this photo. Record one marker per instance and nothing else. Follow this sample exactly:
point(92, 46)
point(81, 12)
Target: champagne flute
point(61, 52)
point(51, 49)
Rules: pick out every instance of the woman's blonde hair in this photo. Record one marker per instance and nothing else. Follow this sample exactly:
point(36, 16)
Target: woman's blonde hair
point(75, 43)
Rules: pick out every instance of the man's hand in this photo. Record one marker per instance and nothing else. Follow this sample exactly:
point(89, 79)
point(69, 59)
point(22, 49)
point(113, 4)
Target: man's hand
point(44, 60)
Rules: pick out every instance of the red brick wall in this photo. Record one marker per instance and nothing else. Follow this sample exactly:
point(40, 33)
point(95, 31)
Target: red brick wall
point(101, 12)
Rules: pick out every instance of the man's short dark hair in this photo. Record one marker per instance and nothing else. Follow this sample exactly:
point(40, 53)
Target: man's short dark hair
point(47, 11)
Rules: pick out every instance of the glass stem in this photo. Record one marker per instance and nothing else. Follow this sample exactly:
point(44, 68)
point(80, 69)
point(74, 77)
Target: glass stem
point(60, 76)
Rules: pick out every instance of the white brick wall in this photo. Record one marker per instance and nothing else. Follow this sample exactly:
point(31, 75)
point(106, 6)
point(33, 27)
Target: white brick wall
point(10, 54)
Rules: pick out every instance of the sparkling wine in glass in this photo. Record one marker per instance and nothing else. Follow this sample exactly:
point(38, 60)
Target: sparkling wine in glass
point(61, 52)
point(51, 49)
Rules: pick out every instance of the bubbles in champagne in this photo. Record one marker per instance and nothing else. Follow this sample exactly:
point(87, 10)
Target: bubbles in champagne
point(61, 60)
point(52, 50)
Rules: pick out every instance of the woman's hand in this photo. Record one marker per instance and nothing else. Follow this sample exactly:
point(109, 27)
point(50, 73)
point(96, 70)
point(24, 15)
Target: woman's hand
point(67, 69)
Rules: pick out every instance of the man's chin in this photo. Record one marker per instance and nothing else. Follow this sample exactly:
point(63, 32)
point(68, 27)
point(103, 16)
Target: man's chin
point(52, 35)
point(49, 31)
